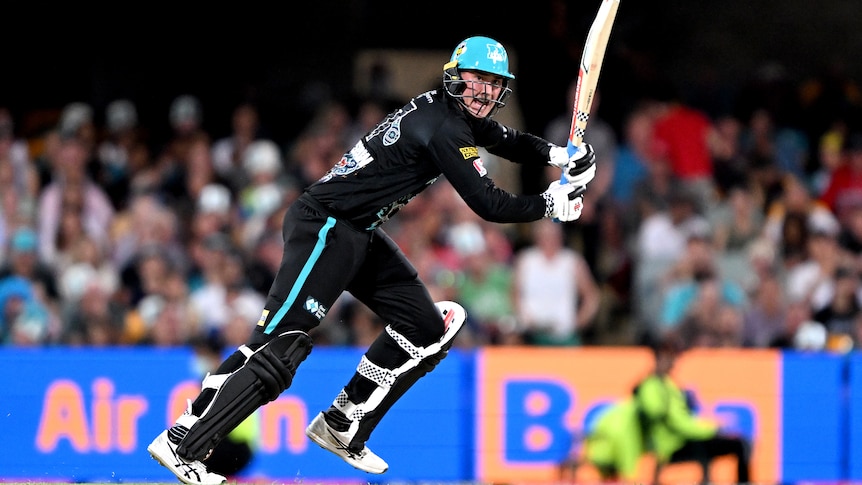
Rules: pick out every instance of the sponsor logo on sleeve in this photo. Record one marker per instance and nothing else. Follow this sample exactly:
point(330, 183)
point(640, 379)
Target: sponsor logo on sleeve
point(262, 320)
point(469, 152)
point(477, 164)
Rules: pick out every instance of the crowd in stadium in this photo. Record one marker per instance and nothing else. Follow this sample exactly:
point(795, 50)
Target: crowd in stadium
point(732, 230)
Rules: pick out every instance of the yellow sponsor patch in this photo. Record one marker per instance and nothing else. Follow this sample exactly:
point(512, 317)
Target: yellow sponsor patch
point(469, 152)
point(262, 320)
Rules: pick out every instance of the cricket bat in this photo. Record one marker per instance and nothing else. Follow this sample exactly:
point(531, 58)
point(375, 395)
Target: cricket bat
point(588, 73)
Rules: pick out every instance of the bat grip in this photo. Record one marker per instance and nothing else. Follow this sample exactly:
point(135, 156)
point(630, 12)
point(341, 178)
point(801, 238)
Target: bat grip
point(572, 149)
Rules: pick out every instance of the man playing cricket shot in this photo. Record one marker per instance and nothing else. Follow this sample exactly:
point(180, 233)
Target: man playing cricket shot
point(334, 242)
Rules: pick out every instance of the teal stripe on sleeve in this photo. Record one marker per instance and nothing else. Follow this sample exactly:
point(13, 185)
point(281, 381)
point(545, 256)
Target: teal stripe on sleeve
point(303, 275)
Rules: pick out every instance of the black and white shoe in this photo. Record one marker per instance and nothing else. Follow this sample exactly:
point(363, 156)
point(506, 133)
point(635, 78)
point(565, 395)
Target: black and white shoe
point(338, 442)
point(190, 472)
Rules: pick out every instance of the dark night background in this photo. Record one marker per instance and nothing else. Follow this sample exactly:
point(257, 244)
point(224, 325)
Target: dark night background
point(709, 52)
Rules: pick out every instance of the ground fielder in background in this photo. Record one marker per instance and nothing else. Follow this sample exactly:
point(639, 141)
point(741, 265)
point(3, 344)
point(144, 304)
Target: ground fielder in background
point(333, 242)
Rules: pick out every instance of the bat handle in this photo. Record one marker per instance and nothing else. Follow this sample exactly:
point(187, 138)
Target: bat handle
point(571, 149)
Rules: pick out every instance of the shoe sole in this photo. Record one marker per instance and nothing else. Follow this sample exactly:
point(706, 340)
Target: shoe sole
point(325, 445)
point(155, 456)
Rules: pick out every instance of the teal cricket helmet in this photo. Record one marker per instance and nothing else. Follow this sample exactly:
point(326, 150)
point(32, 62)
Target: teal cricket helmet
point(482, 54)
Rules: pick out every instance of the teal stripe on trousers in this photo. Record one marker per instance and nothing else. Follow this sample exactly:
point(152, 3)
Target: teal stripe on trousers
point(303, 275)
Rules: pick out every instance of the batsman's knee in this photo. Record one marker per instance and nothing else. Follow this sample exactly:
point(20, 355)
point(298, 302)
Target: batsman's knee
point(275, 363)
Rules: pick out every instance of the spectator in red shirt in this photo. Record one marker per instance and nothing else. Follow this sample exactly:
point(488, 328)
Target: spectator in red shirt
point(683, 134)
point(844, 188)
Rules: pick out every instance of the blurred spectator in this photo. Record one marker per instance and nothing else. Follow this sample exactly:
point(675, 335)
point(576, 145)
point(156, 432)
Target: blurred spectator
point(485, 285)
point(838, 314)
point(711, 322)
point(145, 274)
point(223, 287)
point(830, 155)
point(164, 316)
point(88, 264)
point(16, 152)
point(659, 243)
point(19, 180)
point(23, 261)
point(685, 135)
point(122, 134)
point(197, 175)
point(24, 319)
point(812, 280)
point(267, 189)
point(767, 145)
point(45, 159)
point(186, 123)
point(93, 318)
point(696, 287)
point(765, 314)
point(737, 221)
point(850, 238)
point(729, 165)
point(264, 261)
point(71, 198)
point(76, 121)
point(653, 193)
point(228, 153)
point(857, 332)
point(323, 140)
point(844, 187)
point(555, 295)
point(634, 156)
point(146, 222)
point(787, 216)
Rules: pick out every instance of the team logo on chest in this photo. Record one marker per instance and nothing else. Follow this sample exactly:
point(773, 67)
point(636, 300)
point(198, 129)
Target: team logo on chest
point(353, 160)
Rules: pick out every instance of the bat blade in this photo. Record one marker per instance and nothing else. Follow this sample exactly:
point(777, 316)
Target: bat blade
point(588, 72)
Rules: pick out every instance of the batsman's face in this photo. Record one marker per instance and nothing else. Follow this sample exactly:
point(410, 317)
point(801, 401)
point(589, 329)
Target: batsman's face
point(481, 92)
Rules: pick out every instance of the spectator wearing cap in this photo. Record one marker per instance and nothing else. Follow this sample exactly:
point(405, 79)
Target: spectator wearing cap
point(24, 319)
point(23, 261)
point(121, 136)
point(172, 160)
point(76, 121)
point(214, 212)
point(268, 189)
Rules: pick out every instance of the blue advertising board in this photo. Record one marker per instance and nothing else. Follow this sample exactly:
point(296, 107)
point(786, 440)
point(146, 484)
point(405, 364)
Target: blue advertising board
point(88, 415)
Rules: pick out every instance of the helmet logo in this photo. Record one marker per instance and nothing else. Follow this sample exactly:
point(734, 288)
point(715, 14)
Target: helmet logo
point(461, 49)
point(496, 53)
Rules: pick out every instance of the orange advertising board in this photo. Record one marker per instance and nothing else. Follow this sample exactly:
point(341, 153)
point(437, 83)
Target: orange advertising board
point(531, 402)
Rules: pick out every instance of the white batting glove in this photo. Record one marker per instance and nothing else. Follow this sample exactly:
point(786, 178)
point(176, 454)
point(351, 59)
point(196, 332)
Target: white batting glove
point(581, 168)
point(562, 202)
point(558, 157)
